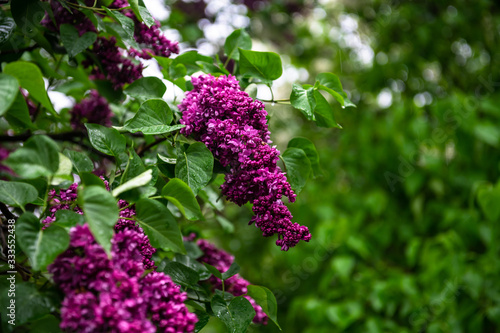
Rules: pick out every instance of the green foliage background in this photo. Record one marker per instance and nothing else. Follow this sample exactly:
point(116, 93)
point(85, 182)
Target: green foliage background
point(405, 217)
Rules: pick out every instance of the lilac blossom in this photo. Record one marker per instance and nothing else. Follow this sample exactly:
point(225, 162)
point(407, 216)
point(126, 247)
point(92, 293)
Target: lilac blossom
point(92, 109)
point(234, 127)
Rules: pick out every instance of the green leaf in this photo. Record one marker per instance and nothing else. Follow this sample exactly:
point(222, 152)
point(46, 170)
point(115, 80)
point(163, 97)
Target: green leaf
point(30, 78)
point(203, 319)
point(159, 225)
point(134, 168)
point(213, 270)
point(9, 88)
point(28, 14)
point(308, 147)
point(146, 15)
point(127, 25)
point(181, 274)
point(138, 181)
point(63, 172)
point(89, 179)
point(488, 199)
point(232, 270)
point(18, 115)
point(38, 157)
point(73, 42)
point(107, 140)
point(297, 167)
point(265, 66)
point(195, 166)
point(101, 213)
point(146, 87)
point(303, 99)
point(237, 39)
point(46, 324)
point(237, 316)
point(330, 83)
point(324, 112)
point(81, 161)
point(7, 26)
point(35, 303)
point(180, 194)
point(265, 298)
point(153, 117)
point(68, 218)
point(134, 4)
point(197, 266)
point(17, 194)
point(41, 246)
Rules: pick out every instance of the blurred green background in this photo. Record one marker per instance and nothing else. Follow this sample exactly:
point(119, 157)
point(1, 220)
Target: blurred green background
point(405, 219)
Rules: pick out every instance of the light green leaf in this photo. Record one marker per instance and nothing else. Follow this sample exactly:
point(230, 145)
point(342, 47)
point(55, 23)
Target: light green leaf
point(489, 199)
point(237, 316)
point(265, 66)
point(159, 225)
point(265, 298)
point(101, 213)
point(146, 87)
point(140, 180)
point(194, 166)
point(153, 117)
point(180, 194)
point(68, 218)
point(237, 39)
point(297, 167)
point(232, 270)
point(41, 246)
point(30, 78)
point(63, 171)
point(18, 115)
point(73, 42)
point(303, 99)
point(107, 140)
point(9, 88)
point(17, 194)
point(146, 16)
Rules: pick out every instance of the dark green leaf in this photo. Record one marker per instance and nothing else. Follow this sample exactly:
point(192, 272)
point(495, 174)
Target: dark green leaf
point(73, 42)
point(153, 117)
point(265, 298)
point(146, 15)
point(146, 87)
point(17, 194)
point(18, 115)
point(46, 324)
point(330, 83)
point(101, 213)
point(237, 316)
point(265, 66)
point(7, 26)
point(41, 246)
point(303, 99)
point(134, 168)
point(30, 78)
point(35, 304)
point(28, 14)
point(68, 218)
point(89, 179)
point(9, 88)
point(213, 270)
point(297, 167)
point(194, 166)
point(203, 319)
point(160, 225)
point(308, 147)
point(127, 25)
point(107, 140)
point(324, 112)
point(181, 274)
point(38, 157)
point(197, 266)
point(232, 270)
point(81, 162)
point(237, 39)
point(181, 195)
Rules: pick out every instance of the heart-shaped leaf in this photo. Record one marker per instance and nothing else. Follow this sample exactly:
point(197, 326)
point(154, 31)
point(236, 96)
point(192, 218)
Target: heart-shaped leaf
point(74, 43)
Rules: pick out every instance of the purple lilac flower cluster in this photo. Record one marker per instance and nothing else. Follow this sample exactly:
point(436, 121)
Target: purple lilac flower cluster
point(92, 109)
point(114, 295)
point(117, 294)
point(233, 126)
point(235, 285)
